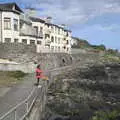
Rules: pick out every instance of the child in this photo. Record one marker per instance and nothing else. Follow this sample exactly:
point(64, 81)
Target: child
point(38, 74)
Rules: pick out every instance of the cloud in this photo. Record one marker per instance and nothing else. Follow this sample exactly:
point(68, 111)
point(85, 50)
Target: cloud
point(73, 12)
point(112, 28)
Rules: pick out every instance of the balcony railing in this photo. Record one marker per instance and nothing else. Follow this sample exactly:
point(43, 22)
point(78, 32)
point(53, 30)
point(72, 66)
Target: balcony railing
point(40, 34)
point(28, 32)
point(31, 32)
point(47, 42)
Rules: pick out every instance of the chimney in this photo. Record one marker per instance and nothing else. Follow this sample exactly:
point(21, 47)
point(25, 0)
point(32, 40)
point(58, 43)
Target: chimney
point(30, 12)
point(49, 20)
point(63, 25)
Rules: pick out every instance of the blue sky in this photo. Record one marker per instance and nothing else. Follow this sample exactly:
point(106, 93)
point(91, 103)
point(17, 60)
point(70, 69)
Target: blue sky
point(97, 21)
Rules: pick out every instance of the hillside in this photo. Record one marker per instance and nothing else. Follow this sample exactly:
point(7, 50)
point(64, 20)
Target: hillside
point(84, 44)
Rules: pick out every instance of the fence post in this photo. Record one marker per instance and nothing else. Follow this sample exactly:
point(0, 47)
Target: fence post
point(27, 108)
point(15, 114)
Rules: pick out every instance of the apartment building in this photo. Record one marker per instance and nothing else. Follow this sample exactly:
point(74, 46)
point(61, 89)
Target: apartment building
point(9, 22)
point(57, 38)
point(15, 26)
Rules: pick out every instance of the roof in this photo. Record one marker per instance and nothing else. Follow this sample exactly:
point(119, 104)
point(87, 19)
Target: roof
point(10, 7)
point(26, 22)
point(67, 30)
point(51, 24)
point(35, 19)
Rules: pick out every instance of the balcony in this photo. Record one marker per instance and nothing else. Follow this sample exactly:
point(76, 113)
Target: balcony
point(48, 31)
point(40, 34)
point(26, 29)
point(64, 42)
point(47, 42)
point(28, 32)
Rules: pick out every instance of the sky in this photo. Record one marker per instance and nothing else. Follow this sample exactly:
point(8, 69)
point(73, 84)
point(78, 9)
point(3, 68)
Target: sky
point(97, 21)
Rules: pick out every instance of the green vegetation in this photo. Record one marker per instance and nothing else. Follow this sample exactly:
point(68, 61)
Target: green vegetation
point(99, 47)
point(8, 78)
point(81, 43)
point(85, 44)
point(111, 56)
point(101, 115)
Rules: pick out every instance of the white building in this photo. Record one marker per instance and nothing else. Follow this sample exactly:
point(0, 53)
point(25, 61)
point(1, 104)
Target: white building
point(16, 27)
point(74, 41)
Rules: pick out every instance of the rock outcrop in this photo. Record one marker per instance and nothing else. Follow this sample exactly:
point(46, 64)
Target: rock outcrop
point(79, 93)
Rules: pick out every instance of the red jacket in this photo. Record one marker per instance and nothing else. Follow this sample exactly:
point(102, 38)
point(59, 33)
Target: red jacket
point(39, 73)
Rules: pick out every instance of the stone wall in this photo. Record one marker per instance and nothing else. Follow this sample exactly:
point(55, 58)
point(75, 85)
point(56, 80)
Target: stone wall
point(28, 59)
point(53, 60)
point(26, 68)
point(16, 51)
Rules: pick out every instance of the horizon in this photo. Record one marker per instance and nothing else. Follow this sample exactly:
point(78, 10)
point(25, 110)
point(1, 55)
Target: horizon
point(93, 20)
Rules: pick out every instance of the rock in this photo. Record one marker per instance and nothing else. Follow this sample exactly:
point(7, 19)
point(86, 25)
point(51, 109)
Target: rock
point(79, 92)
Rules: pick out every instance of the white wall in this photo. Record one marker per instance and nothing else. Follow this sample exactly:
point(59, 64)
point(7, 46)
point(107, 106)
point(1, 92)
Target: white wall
point(0, 26)
point(61, 35)
point(53, 32)
point(10, 33)
point(39, 24)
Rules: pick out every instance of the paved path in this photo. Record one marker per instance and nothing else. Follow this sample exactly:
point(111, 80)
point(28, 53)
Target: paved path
point(20, 92)
point(16, 94)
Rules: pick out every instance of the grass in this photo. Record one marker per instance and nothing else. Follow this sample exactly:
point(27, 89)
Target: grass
point(8, 78)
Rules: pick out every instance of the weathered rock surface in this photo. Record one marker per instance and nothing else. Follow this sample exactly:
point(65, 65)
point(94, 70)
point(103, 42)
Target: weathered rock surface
point(79, 92)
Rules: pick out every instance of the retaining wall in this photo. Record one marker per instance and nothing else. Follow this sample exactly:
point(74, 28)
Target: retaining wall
point(27, 58)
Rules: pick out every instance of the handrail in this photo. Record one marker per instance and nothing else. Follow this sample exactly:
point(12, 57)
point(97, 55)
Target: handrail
point(27, 99)
point(20, 104)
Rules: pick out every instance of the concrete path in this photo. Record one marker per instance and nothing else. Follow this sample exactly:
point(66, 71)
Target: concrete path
point(20, 92)
point(16, 94)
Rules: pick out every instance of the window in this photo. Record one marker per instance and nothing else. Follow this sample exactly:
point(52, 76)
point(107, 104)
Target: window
point(36, 29)
point(41, 29)
point(7, 40)
point(15, 24)
point(67, 41)
point(64, 47)
point(67, 49)
point(55, 39)
point(67, 34)
point(52, 48)
point(52, 39)
point(16, 40)
point(58, 30)
point(24, 41)
point(39, 42)
point(52, 28)
point(32, 42)
point(7, 23)
point(47, 36)
point(58, 48)
point(58, 40)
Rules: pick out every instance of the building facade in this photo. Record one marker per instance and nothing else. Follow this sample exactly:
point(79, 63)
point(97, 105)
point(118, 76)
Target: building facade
point(16, 27)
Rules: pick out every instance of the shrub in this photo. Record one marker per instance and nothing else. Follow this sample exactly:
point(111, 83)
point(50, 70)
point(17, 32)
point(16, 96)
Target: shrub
point(101, 115)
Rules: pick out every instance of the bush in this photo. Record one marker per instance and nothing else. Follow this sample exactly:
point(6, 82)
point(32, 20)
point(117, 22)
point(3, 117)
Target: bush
point(112, 52)
point(99, 47)
point(101, 115)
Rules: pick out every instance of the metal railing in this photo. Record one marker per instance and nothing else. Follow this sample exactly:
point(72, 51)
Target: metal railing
point(20, 111)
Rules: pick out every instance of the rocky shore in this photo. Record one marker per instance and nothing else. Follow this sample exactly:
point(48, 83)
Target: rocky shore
point(79, 93)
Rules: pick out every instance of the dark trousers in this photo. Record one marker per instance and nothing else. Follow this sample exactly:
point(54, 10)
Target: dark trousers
point(38, 80)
